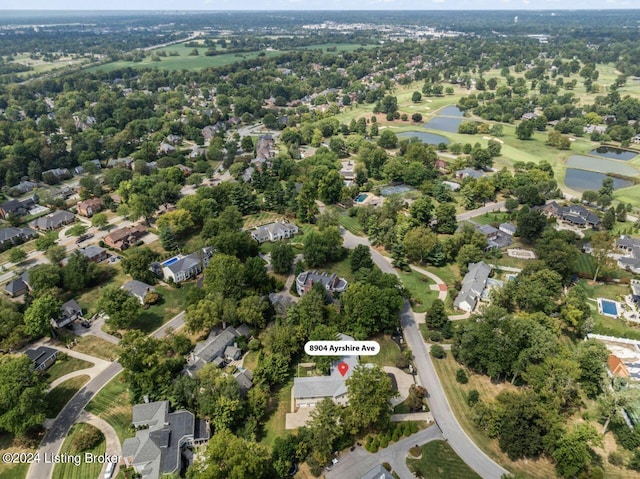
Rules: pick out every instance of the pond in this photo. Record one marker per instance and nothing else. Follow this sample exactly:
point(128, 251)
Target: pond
point(601, 165)
point(428, 138)
point(582, 180)
point(614, 153)
point(451, 111)
point(444, 123)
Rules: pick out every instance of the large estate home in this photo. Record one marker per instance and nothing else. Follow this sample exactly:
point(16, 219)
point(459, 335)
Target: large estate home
point(274, 232)
point(181, 268)
point(331, 282)
point(629, 250)
point(473, 285)
point(575, 214)
point(53, 221)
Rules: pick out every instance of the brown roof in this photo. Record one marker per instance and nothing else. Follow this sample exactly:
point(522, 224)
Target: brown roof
point(90, 202)
point(617, 367)
point(120, 234)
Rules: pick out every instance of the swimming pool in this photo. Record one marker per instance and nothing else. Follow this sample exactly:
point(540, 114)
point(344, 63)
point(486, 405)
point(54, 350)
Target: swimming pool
point(360, 198)
point(609, 308)
point(170, 261)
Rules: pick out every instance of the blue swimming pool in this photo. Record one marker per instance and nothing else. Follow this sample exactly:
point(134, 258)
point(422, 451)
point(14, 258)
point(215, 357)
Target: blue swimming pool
point(170, 261)
point(609, 307)
point(360, 198)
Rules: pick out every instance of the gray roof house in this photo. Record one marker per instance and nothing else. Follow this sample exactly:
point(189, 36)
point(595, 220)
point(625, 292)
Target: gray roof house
point(575, 214)
point(16, 207)
point(53, 221)
point(16, 287)
point(309, 391)
point(181, 268)
point(507, 228)
point(274, 232)
point(630, 249)
point(378, 472)
point(42, 357)
point(212, 349)
point(138, 289)
point(11, 235)
point(331, 282)
point(473, 284)
point(161, 436)
point(69, 312)
point(244, 378)
point(469, 173)
point(120, 162)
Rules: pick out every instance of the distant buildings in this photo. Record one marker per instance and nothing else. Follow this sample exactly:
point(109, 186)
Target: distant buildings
point(332, 283)
point(473, 285)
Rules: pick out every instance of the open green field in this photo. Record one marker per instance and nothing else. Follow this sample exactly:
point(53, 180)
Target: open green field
point(440, 461)
point(62, 393)
point(274, 427)
point(389, 352)
point(184, 61)
point(418, 286)
point(172, 302)
point(336, 47)
point(10, 470)
point(65, 365)
point(113, 405)
point(84, 470)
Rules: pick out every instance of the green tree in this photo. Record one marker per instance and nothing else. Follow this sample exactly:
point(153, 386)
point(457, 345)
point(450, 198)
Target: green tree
point(422, 210)
point(572, 453)
point(44, 277)
point(77, 273)
point(225, 275)
point(136, 264)
point(17, 255)
point(416, 97)
point(46, 241)
point(56, 254)
point(369, 391)
point(100, 220)
point(419, 243)
point(436, 317)
point(168, 239)
point(325, 428)
point(446, 218)
point(524, 131)
point(601, 247)
point(531, 224)
point(360, 258)
point(282, 258)
point(388, 139)
point(122, 308)
point(592, 356)
point(22, 395)
point(370, 309)
point(38, 316)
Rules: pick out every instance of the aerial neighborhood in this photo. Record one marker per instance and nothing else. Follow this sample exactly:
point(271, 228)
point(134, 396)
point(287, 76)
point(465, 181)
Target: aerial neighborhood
point(190, 202)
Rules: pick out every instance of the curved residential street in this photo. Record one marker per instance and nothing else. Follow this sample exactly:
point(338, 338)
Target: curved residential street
point(442, 413)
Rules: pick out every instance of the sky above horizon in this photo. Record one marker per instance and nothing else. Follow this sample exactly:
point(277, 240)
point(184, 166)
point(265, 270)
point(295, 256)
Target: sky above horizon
point(316, 4)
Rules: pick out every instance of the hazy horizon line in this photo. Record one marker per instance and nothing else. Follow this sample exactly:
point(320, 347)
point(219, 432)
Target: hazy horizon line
point(199, 10)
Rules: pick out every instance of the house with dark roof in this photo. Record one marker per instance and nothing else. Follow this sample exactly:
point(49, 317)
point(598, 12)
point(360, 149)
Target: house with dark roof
point(120, 163)
point(42, 357)
point(93, 253)
point(90, 207)
point(69, 312)
point(22, 188)
point(56, 175)
point(53, 221)
point(244, 378)
point(16, 207)
point(577, 215)
point(161, 436)
point(212, 349)
point(16, 287)
point(473, 284)
point(507, 228)
point(469, 173)
point(309, 391)
point(181, 268)
point(138, 289)
point(332, 283)
point(12, 236)
point(274, 232)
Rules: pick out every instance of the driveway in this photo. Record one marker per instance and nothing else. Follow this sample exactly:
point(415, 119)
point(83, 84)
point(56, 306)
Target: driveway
point(113, 443)
point(358, 462)
point(404, 381)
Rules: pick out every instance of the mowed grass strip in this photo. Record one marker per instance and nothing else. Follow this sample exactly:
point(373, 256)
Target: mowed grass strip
point(440, 461)
point(85, 469)
point(59, 396)
point(65, 365)
point(457, 397)
point(275, 426)
point(113, 404)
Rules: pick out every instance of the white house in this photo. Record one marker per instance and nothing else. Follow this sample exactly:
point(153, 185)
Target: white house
point(274, 232)
point(181, 268)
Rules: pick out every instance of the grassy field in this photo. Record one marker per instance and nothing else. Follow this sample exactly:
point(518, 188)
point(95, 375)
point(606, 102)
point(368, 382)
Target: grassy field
point(336, 47)
point(84, 470)
point(65, 365)
point(492, 218)
point(419, 287)
point(440, 461)
point(457, 394)
point(389, 352)
point(90, 345)
point(184, 61)
point(259, 219)
point(12, 470)
point(341, 268)
point(172, 302)
point(351, 223)
point(275, 425)
point(113, 405)
point(62, 393)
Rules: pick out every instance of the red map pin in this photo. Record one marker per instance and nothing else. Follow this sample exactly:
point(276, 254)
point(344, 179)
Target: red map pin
point(343, 368)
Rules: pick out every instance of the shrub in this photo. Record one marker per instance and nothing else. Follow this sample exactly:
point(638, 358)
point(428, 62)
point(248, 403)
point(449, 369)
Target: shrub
point(395, 436)
point(616, 459)
point(406, 431)
point(415, 451)
point(438, 351)
point(435, 336)
point(414, 427)
point(461, 376)
point(384, 443)
point(86, 438)
point(473, 397)
point(254, 344)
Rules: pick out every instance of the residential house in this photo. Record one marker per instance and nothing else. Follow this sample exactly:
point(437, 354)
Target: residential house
point(274, 232)
point(181, 268)
point(473, 285)
point(16, 207)
point(69, 312)
point(331, 282)
point(600, 129)
point(507, 228)
point(309, 391)
point(530, 116)
point(209, 132)
point(636, 139)
point(575, 214)
point(11, 236)
point(156, 450)
point(53, 221)
point(378, 472)
point(496, 238)
point(42, 357)
point(186, 171)
point(281, 302)
point(469, 173)
point(453, 186)
point(90, 207)
point(138, 289)
point(22, 188)
point(247, 174)
point(617, 367)
point(244, 379)
point(348, 172)
point(635, 291)
point(166, 148)
point(174, 139)
point(212, 349)
point(56, 175)
point(16, 287)
point(120, 163)
point(265, 147)
point(122, 238)
point(95, 254)
point(629, 249)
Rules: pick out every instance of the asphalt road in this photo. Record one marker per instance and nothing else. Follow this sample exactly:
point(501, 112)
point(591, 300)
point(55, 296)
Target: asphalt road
point(55, 435)
point(480, 211)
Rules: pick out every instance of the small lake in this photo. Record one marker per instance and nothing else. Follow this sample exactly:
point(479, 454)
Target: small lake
point(444, 123)
point(614, 153)
point(451, 111)
point(582, 180)
point(601, 165)
point(429, 138)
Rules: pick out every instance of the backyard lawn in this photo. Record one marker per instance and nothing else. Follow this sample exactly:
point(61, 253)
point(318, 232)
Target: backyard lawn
point(89, 344)
point(440, 461)
point(64, 365)
point(172, 302)
point(351, 223)
point(389, 354)
point(113, 405)
point(62, 393)
point(84, 470)
point(276, 423)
